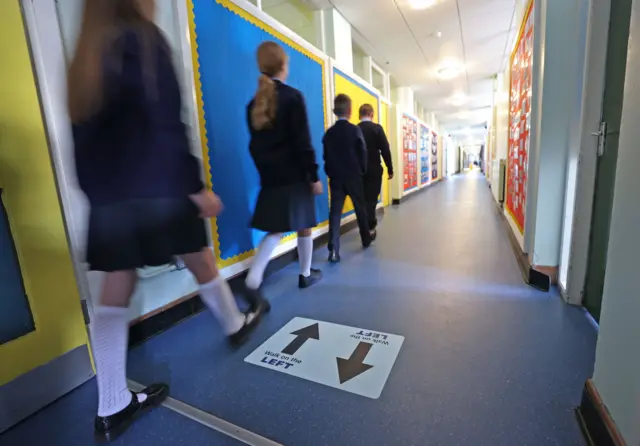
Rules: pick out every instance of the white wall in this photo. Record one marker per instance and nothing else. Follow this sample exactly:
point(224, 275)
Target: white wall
point(617, 367)
point(575, 136)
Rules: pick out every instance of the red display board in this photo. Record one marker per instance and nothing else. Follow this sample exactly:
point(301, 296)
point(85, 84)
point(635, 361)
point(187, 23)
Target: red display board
point(410, 151)
point(520, 121)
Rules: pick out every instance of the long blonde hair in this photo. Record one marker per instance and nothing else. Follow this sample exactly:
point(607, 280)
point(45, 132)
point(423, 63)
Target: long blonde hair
point(271, 62)
point(102, 23)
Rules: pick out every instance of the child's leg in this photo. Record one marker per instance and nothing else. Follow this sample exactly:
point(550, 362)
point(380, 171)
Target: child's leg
point(261, 260)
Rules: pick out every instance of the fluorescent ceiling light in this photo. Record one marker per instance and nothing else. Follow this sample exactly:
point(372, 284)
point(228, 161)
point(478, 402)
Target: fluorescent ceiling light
point(457, 99)
point(421, 4)
point(449, 69)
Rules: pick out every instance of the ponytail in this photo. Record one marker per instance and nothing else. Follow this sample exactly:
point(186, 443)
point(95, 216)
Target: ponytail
point(265, 104)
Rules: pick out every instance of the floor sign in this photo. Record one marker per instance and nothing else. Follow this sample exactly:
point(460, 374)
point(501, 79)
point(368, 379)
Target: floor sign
point(351, 359)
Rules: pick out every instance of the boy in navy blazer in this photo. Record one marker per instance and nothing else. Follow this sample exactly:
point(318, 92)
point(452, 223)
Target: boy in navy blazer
point(345, 162)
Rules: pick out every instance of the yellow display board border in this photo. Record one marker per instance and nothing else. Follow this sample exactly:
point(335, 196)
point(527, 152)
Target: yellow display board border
point(232, 7)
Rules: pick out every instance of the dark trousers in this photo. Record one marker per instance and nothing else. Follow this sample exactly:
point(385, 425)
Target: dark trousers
point(372, 185)
point(339, 191)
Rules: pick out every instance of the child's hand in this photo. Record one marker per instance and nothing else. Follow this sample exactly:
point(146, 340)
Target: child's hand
point(209, 203)
point(316, 188)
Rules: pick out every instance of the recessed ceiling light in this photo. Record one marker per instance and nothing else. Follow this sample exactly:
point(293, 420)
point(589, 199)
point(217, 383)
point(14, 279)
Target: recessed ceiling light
point(421, 4)
point(439, 34)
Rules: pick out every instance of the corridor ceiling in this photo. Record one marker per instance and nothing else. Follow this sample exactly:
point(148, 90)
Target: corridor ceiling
point(423, 47)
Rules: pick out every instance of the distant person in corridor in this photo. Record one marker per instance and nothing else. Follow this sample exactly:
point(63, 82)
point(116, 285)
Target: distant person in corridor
point(345, 162)
point(377, 145)
point(148, 204)
point(286, 161)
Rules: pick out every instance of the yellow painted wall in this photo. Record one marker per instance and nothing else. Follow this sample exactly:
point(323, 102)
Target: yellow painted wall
point(384, 122)
point(359, 96)
point(34, 211)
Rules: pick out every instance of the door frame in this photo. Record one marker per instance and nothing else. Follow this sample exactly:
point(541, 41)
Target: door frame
point(59, 344)
point(49, 65)
point(595, 68)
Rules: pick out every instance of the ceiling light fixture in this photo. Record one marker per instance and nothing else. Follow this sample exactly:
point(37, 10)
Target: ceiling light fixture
point(449, 69)
point(457, 99)
point(421, 4)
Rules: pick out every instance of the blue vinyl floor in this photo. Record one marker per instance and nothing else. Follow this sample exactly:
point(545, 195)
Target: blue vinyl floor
point(486, 360)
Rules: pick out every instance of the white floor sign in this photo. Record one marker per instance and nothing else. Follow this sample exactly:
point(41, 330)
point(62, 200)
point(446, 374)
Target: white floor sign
point(347, 358)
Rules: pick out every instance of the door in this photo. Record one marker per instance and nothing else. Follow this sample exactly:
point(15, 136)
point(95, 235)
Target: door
point(608, 154)
point(43, 338)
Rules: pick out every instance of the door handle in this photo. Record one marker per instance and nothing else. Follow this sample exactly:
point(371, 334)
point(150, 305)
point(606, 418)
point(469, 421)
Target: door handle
point(602, 136)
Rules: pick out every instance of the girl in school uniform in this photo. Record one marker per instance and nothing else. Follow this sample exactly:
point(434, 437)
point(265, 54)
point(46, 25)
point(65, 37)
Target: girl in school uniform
point(286, 161)
point(148, 203)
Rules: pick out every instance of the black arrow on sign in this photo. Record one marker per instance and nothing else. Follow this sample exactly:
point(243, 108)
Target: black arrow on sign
point(310, 332)
point(354, 366)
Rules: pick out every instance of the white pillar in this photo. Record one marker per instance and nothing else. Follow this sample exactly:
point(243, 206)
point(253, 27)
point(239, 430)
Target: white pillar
point(338, 38)
point(557, 69)
point(406, 100)
point(320, 28)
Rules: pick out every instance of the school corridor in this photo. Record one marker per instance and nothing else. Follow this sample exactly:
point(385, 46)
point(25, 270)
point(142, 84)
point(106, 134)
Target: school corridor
point(486, 359)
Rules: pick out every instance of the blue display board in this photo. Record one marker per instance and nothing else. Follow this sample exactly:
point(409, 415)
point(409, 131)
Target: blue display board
point(226, 50)
point(424, 154)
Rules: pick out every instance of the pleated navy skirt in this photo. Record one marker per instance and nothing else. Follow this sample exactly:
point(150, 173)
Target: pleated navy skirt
point(285, 209)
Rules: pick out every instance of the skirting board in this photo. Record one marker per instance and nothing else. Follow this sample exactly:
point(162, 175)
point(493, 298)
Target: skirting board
point(38, 388)
point(595, 421)
point(397, 201)
point(185, 308)
point(531, 276)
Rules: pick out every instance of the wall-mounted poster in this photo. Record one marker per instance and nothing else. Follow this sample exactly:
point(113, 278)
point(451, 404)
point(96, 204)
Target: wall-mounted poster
point(434, 156)
point(520, 121)
point(410, 151)
point(424, 154)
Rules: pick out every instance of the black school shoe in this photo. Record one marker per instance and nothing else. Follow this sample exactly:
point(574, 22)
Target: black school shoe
point(256, 300)
point(109, 428)
point(251, 321)
point(314, 277)
point(334, 257)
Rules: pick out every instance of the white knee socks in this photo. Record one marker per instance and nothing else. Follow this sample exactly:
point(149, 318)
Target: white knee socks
point(110, 334)
point(218, 297)
point(305, 253)
point(261, 260)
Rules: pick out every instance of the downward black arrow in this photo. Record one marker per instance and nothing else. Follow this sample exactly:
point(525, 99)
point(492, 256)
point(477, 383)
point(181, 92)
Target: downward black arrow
point(354, 366)
point(310, 332)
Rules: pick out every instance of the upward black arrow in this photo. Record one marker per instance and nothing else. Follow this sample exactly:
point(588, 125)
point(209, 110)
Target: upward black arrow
point(354, 366)
point(302, 335)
